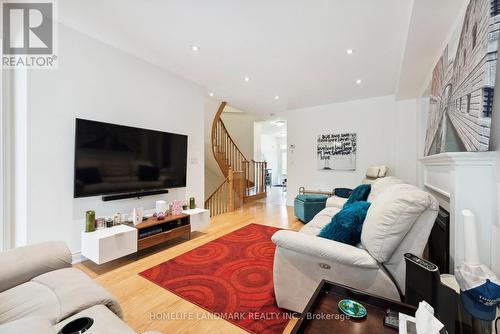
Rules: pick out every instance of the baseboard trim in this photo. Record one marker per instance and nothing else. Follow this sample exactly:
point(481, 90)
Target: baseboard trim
point(77, 258)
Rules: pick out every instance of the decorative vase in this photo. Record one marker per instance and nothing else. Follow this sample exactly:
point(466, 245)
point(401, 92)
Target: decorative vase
point(117, 219)
point(90, 221)
point(192, 203)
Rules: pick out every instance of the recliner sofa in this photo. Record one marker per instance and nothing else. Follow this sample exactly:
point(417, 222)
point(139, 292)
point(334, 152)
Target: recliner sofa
point(40, 292)
point(399, 221)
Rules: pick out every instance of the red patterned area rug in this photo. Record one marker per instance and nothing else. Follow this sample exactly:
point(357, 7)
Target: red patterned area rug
point(231, 277)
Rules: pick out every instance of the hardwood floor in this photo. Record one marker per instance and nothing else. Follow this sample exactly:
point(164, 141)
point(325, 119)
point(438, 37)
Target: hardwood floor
point(141, 299)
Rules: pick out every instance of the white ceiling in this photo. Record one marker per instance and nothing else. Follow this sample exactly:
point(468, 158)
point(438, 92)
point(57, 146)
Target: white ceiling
point(292, 48)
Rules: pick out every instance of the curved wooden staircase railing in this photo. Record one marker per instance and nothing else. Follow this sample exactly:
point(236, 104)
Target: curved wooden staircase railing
point(229, 196)
point(236, 169)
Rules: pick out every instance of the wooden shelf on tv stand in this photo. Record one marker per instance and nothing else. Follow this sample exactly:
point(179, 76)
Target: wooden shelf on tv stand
point(172, 227)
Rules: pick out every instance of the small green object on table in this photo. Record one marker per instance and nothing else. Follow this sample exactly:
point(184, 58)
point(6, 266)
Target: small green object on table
point(352, 308)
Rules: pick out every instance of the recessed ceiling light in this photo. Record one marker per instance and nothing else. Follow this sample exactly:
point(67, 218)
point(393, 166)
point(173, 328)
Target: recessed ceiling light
point(359, 81)
point(277, 97)
point(195, 48)
point(349, 51)
point(211, 94)
point(247, 79)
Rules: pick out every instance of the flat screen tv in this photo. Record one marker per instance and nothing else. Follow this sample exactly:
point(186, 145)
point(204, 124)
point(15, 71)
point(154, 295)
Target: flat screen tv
point(117, 159)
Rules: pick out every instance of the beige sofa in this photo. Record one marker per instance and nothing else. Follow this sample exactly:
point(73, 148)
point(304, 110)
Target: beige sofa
point(40, 292)
point(399, 221)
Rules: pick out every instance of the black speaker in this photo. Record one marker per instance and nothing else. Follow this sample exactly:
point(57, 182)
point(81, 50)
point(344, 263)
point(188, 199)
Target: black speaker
point(422, 281)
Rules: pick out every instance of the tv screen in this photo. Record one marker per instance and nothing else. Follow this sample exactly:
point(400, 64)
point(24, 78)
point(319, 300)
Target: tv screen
point(111, 159)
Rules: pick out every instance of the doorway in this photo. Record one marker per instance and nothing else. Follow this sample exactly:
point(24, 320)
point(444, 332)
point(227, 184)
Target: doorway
point(270, 145)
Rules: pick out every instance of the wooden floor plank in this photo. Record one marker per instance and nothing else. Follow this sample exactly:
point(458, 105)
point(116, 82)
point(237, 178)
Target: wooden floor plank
point(143, 300)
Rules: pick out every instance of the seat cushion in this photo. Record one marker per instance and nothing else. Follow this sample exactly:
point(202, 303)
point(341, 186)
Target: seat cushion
point(335, 202)
point(323, 218)
point(391, 216)
point(75, 291)
point(29, 299)
point(346, 225)
point(54, 296)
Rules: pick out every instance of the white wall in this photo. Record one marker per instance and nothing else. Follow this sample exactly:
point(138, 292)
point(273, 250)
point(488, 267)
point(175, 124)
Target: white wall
point(240, 126)
point(269, 147)
point(96, 81)
point(387, 134)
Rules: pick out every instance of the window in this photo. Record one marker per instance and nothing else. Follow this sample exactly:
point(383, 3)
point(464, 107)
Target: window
point(468, 103)
point(487, 101)
point(495, 7)
point(474, 36)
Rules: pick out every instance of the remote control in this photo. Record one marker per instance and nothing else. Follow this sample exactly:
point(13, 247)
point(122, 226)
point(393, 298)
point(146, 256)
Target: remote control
point(391, 319)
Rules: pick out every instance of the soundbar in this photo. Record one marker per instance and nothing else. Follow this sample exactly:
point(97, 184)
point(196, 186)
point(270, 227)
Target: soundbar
point(138, 194)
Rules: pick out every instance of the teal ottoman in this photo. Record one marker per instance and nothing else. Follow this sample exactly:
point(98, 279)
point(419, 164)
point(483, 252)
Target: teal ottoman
point(307, 206)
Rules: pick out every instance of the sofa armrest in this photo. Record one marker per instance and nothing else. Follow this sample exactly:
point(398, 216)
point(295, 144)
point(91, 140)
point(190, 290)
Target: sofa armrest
point(24, 263)
point(324, 248)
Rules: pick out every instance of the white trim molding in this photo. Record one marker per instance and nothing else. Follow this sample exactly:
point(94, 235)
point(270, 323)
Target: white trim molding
point(465, 181)
point(5, 163)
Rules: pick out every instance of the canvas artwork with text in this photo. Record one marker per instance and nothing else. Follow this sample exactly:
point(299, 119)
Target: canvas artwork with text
point(337, 151)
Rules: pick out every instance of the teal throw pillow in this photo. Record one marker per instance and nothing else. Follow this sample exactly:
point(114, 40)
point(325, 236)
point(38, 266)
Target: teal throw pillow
point(360, 193)
point(347, 224)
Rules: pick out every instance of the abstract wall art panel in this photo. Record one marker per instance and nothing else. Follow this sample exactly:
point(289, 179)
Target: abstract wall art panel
point(463, 83)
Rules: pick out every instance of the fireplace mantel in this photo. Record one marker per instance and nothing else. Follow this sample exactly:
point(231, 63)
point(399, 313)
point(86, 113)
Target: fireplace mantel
point(464, 180)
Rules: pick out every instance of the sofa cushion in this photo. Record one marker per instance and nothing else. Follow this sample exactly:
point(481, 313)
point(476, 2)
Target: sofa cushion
point(380, 185)
point(323, 218)
point(29, 300)
point(75, 291)
point(391, 216)
point(360, 193)
point(346, 225)
point(335, 202)
point(54, 296)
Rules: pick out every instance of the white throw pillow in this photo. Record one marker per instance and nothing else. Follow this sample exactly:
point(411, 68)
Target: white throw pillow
point(372, 172)
point(390, 216)
point(383, 171)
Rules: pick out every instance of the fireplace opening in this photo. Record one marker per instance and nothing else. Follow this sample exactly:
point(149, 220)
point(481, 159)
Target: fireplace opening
point(439, 242)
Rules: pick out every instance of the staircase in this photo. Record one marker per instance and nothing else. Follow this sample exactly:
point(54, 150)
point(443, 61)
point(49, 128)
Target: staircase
point(244, 179)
